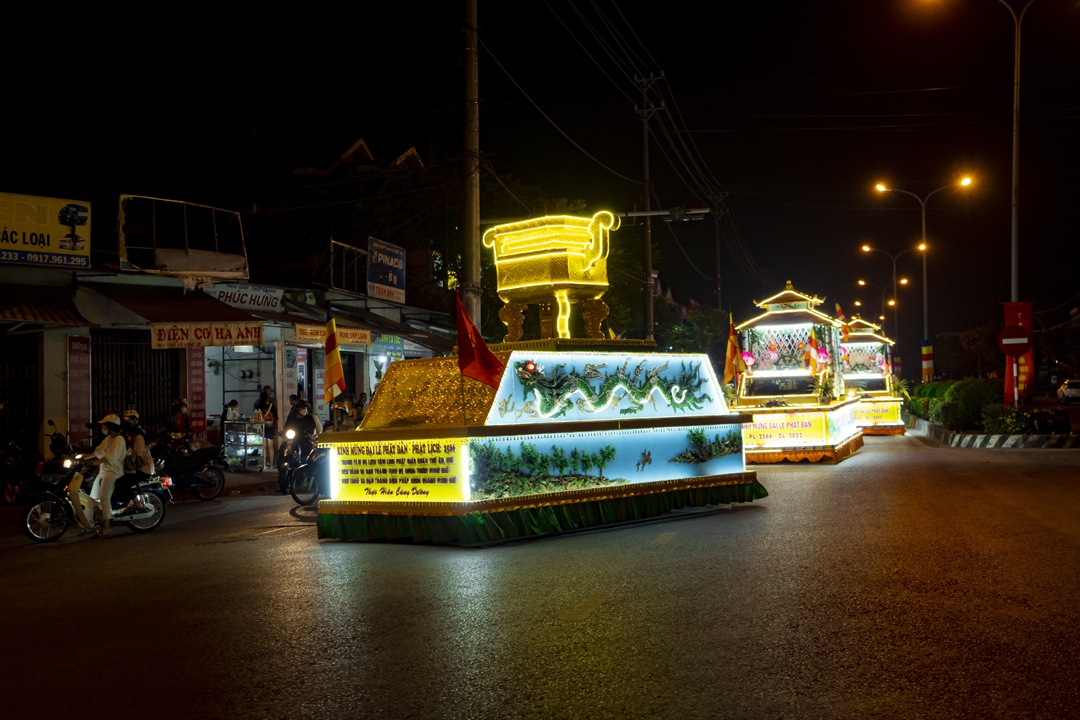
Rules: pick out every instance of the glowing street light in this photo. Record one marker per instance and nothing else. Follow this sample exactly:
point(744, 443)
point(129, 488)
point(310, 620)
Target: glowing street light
point(964, 182)
point(903, 281)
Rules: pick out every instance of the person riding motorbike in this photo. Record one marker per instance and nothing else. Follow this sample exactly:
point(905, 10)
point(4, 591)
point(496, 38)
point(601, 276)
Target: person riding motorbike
point(306, 429)
point(110, 457)
point(139, 452)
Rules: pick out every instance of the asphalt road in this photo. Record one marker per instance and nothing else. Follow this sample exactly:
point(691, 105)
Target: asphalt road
point(906, 582)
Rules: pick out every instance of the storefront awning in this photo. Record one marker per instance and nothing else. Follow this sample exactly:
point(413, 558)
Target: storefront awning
point(39, 305)
point(181, 319)
point(390, 327)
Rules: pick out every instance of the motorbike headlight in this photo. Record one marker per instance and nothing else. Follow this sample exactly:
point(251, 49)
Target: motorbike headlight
point(67, 464)
point(290, 434)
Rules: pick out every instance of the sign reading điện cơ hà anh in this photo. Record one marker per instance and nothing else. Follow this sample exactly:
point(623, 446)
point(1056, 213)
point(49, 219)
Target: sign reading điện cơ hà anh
point(52, 232)
point(169, 336)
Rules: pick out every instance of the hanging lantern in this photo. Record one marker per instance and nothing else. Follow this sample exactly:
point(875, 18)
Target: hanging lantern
point(748, 358)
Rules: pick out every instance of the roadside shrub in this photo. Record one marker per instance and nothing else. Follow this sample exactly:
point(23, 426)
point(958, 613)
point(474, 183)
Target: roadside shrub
point(945, 413)
point(936, 389)
point(971, 395)
point(920, 407)
point(1025, 421)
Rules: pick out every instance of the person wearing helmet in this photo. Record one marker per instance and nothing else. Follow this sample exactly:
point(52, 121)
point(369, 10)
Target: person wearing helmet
point(139, 451)
point(307, 429)
point(110, 457)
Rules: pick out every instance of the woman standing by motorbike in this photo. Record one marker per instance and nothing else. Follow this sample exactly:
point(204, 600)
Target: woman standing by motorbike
point(110, 456)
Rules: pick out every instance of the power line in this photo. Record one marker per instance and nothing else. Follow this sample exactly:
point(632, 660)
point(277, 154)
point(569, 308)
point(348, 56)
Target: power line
point(553, 123)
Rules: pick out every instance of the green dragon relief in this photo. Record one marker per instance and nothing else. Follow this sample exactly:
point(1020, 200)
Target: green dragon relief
point(553, 392)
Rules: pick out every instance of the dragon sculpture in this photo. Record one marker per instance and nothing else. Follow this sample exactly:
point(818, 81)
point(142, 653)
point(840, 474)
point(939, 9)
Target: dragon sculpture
point(553, 392)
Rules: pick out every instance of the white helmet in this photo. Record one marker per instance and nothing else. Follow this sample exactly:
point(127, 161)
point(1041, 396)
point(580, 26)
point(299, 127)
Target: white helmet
point(110, 418)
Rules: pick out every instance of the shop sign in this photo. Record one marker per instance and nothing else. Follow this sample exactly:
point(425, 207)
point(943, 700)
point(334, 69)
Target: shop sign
point(53, 232)
point(386, 271)
point(1019, 373)
point(78, 389)
point(167, 336)
point(874, 414)
point(196, 389)
point(784, 430)
point(471, 469)
point(316, 335)
point(290, 382)
point(384, 350)
point(247, 297)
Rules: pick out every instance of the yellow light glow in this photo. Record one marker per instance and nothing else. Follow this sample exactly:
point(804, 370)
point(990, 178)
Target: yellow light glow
point(966, 181)
point(880, 187)
point(558, 256)
point(858, 303)
point(862, 282)
point(562, 323)
point(880, 317)
point(922, 246)
point(866, 248)
point(903, 281)
point(891, 303)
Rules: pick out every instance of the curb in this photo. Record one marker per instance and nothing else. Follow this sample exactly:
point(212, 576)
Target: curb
point(990, 442)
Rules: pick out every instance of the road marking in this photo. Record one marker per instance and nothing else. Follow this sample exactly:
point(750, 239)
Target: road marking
point(296, 531)
point(278, 529)
point(663, 538)
point(586, 608)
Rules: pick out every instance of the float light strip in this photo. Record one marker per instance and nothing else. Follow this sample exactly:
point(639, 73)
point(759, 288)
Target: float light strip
point(674, 396)
point(562, 322)
point(780, 326)
point(541, 283)
point(863, 376)
point(780, 373)
point(543, 231)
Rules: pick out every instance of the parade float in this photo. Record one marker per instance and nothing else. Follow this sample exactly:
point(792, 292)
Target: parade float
point(866, 356)
point(570, 433)
point(793, 383)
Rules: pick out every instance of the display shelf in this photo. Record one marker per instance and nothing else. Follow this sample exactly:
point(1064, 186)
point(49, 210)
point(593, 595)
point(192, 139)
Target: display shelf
point(244, 446)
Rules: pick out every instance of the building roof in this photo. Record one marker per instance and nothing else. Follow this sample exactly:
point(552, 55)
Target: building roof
point(158, 304)
point(790, 295)
point(789, 317)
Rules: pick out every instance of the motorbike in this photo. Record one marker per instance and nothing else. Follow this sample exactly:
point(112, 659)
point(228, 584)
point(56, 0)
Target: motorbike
point(293, 453)
point(197, 472)
point(23, 472)
point(49, 514)
point(311, 480)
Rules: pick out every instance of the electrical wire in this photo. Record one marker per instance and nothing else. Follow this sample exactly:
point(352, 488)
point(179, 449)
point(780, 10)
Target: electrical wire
point(586, 51)
point(679, 244)
point(553, 123)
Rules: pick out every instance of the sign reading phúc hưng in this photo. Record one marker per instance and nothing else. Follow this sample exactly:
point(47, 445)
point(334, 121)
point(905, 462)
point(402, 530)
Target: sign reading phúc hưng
point(44, 231)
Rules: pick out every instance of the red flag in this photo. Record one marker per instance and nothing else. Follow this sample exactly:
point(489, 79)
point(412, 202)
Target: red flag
point(474, 358)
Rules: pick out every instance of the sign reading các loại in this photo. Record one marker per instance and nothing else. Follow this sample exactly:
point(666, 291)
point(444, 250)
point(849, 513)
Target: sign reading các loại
point(44, 231)
point(316, 335)
point(169, 336)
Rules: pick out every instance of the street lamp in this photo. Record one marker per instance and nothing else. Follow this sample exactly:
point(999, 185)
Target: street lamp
point(1015, 276)
point(884, 304)
point(922, 247)
point(896, 311)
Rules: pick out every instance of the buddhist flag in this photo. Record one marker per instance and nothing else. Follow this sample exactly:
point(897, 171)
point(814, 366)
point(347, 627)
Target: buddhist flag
point(474, 358)
point(812, 352)
point(844, 328)
point(733, 362)
point(334, 379)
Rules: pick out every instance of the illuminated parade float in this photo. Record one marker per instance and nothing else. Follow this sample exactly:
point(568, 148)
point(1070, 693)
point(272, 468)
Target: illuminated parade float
point(867, 363)
point(794, 383)
point(571, 433)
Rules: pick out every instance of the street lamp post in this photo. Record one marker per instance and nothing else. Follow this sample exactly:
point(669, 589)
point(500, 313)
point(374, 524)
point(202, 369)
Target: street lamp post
point(1015, 276)
point(922, 247)
point(903, 281)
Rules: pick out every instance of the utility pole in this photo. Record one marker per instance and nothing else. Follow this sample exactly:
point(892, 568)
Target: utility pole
point(470, 213)
point(716, 222)
point(646, 111)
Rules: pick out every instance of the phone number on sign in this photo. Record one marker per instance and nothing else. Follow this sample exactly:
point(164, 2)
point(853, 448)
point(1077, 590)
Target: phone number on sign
point(30, 258)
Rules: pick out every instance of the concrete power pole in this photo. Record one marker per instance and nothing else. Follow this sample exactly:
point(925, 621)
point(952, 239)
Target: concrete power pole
point(716, 221)
point(470, 213)
point(646, 111)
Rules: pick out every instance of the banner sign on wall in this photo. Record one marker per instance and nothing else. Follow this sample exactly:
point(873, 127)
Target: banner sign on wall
point(79, 406)
point(247, 297)
point(196, 389)
point(316, 335)
point(44, 231)
point(386, 271)
point(168, 336)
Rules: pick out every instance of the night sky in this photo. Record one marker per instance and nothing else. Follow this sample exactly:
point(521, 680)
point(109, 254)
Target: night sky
point(796, 109)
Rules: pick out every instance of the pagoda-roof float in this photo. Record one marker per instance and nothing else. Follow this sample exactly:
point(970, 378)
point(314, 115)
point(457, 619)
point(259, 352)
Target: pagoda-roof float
point(789, 299)
point(861, 330)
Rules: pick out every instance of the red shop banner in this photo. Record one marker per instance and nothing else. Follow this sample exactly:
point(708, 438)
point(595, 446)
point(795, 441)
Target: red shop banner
point(1019, 313)
point(196, 389)
point(78, 387)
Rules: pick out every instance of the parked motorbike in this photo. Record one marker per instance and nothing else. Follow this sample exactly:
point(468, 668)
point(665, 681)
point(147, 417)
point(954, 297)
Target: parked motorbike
point(311, 480)
point(22, 471)
point(49, 514)
point(197, 472)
